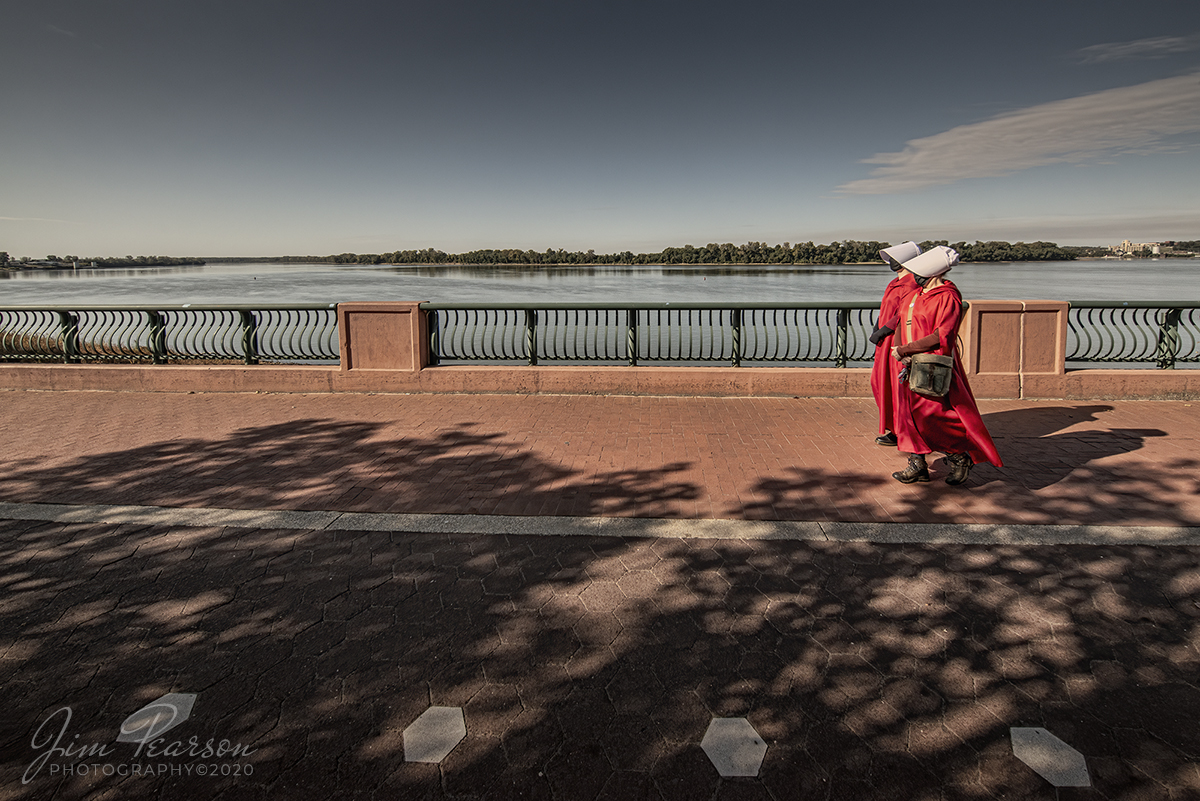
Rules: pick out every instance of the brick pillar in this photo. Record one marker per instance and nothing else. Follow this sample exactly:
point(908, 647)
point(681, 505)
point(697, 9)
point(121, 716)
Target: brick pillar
point(383, 336)
point(990, 342)
point(1044, 351)
point(1005, 341)
point(1044, 363)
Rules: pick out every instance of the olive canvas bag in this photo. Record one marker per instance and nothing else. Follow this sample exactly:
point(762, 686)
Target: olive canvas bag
point(931, 375)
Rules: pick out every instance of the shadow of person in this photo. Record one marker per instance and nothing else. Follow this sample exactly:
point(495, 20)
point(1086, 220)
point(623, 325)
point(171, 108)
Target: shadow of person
point(1036, 462)
point(1039, 421)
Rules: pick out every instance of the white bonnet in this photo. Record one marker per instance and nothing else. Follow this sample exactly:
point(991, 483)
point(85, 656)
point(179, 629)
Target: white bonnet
point(933, 262)
point(896, 255)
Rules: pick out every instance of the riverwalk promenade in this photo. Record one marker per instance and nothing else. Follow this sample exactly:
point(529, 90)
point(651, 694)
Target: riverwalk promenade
point(592, 597)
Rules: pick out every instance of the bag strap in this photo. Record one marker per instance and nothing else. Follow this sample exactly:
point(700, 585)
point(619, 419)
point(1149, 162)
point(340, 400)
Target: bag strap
point(906, 331)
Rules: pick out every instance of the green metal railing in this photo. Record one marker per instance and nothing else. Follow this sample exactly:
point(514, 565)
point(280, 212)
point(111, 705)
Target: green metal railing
point(161, 334)
point(737, 334)
point(1136, 332)
point(1163, 334)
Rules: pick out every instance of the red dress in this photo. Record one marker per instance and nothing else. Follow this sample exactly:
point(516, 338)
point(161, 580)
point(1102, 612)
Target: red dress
point(951, 424)
point(884, 382)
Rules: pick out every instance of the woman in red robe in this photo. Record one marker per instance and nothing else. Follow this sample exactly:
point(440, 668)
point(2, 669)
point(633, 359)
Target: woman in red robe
point(885, 370)
point(951, 424)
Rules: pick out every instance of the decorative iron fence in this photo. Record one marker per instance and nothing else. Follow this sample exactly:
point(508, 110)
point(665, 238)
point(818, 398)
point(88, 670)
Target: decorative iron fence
point(159, 335)
point(1107, 332)
point(737, 334)
point(741, 334)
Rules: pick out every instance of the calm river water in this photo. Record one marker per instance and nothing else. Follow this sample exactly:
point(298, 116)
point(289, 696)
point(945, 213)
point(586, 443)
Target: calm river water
point(1158, 279)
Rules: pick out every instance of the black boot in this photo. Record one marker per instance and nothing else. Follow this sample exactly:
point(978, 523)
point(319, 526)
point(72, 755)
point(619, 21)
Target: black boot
point(960, 467)
point(917, 470)
point(888, 439)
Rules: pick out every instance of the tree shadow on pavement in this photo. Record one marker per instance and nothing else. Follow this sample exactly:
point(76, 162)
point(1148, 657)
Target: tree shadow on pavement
point(591, 667)
point(1051, 475)
point(1142, 493)
point(320, 464)
point(587, 667)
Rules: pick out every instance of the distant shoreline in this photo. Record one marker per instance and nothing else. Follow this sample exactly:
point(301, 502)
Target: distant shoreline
point(107, 264)
point(22, 268)
point(750, 254)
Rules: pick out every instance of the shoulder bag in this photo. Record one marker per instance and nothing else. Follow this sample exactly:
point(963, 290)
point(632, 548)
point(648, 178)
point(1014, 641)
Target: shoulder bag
point(928, 373)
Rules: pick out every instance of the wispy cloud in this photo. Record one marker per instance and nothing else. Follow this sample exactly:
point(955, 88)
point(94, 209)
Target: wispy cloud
point(1155, 47)
point(1133, 119)
point(62, 31)
point(29, 219)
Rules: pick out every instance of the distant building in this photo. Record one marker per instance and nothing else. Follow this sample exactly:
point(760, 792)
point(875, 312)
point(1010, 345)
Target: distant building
point(1128, 247)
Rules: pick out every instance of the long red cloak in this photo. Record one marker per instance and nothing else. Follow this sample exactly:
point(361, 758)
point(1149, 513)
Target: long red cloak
point(951, 424)
point(884, 372)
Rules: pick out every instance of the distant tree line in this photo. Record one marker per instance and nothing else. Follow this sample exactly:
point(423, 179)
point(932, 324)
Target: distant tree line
point(1089, 251)
point(1005, 251)
point(52, 261)
point(1177, 248)
point(847, 252)
point(143, 261)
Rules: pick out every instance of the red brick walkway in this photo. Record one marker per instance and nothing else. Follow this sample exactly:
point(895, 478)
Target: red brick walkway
point(590, 667)
point(1112, 463)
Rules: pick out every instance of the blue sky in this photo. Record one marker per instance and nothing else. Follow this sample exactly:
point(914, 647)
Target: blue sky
point(265, 128)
